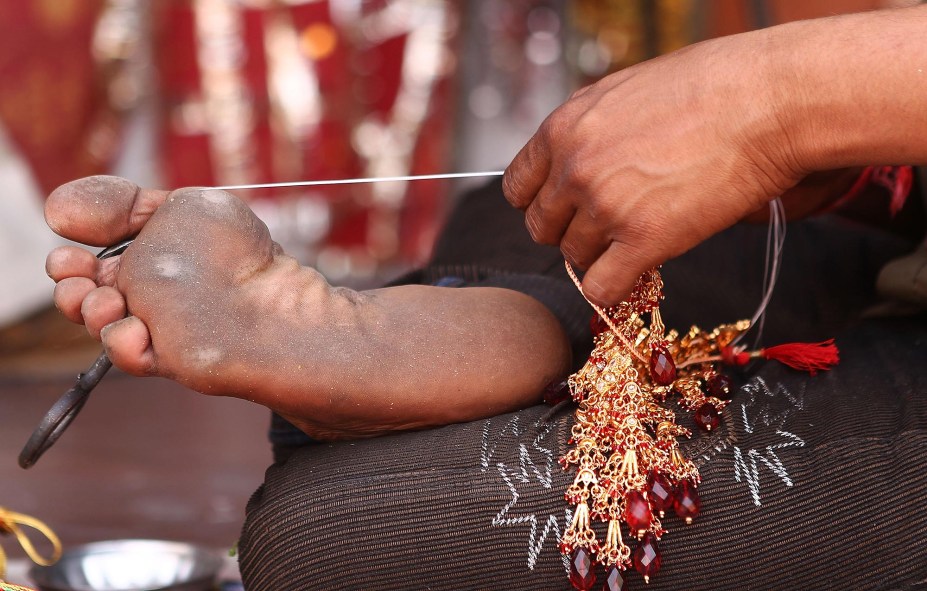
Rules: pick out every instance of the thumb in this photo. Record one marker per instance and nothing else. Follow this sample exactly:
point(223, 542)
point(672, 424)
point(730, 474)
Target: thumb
point(612, 276)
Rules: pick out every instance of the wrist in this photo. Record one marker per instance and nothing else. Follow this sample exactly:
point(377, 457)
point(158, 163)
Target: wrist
point(849, 90)
point(791, 89)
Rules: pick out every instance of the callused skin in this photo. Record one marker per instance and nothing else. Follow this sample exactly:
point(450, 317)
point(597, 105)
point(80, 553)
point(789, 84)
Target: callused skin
point(216, 305)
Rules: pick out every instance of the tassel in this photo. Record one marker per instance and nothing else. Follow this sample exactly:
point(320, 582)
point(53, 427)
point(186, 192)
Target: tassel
point(810, 357)
point(898, 180)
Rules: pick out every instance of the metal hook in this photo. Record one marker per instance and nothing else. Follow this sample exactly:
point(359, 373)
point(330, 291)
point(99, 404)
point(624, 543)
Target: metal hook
point(57, 419)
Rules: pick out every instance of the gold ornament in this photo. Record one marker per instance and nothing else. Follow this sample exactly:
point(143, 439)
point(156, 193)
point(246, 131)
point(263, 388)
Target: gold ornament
point(630, 468)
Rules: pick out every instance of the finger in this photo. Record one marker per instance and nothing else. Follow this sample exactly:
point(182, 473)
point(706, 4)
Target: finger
point(548, 216)
point(100, 210)
point(128, 345)
point(70, 294)
point(583, 242)
point(611, 277)
point(71, 261)
point(102, 306)
point(528, 171)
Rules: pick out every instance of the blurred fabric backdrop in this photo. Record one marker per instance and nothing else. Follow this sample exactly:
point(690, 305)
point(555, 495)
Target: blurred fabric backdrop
point(173, 93)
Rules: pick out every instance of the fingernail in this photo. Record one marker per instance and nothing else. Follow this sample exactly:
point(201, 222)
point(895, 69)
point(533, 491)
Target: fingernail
point(593, 291)
point(599, 294)
point(109, 326)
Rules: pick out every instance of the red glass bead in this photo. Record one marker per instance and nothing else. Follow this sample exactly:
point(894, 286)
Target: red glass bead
point(556, 392)
point(720, 386)
point(686, 502)
point(637, 512)
point(647, 556)
point(660, 492)
point(706, 416)
point(614, 580)
point(662, 366)
point(597, 324)
point(582, 570)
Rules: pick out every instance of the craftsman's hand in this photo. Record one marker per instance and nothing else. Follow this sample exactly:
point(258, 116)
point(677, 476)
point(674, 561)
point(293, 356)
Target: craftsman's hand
point(650, 161)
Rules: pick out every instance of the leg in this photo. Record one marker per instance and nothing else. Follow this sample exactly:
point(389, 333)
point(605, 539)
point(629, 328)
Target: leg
point(217, 306)
point(485, 244)
point(798, 464)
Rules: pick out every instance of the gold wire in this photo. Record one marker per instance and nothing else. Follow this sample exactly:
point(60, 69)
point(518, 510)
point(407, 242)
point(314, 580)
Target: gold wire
point(603, 315)
point(10, 522)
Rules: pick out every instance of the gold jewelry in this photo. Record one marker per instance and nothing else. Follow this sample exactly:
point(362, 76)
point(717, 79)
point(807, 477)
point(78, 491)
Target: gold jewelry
point(625, 439)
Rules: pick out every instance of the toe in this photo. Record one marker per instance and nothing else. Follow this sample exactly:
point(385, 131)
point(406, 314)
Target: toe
point(100, 210)
point(70, 294)
point(70, 261)
point(102, 306)
point(128, 345)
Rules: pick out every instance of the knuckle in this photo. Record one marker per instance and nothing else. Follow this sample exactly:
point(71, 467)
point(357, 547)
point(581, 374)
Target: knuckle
point(575, 254)
point(535, 228)
point(556, 124)
point(539, 223)
point(513, 189)
point(577, 175)
point(578, 93)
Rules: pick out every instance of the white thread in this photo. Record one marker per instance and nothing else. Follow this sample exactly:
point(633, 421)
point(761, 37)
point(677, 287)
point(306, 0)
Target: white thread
point(507, 515)
point(775, 241)
point(354, 181)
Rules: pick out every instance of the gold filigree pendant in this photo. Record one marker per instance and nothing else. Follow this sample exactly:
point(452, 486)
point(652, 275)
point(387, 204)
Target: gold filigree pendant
point(630, 470)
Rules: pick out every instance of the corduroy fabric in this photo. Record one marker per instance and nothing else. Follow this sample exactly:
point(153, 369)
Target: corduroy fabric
point(812, 483)
point(817, 485)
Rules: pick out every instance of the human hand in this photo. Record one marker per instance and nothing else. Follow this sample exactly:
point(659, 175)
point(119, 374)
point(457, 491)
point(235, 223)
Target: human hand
point(650, 161)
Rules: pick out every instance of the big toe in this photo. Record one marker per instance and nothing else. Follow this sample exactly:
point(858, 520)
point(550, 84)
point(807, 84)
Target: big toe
point(100, 210)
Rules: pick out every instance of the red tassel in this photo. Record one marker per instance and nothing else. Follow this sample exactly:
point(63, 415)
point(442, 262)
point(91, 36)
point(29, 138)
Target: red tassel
point(810, 357)
point(734, 357)
point(898, 180)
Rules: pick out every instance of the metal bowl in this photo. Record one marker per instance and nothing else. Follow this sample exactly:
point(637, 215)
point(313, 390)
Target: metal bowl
point(130, 565)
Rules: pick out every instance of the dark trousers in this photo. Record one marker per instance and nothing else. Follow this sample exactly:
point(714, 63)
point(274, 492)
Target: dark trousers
point(812, 483)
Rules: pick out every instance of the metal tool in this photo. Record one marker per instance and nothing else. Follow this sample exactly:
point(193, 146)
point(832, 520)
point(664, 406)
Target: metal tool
point(63, 412)
point(69, 405)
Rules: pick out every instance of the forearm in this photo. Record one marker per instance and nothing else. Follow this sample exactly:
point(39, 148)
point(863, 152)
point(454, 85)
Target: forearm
point(853, 89)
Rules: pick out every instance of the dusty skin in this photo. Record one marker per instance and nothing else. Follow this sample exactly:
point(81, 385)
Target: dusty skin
point(205, 297)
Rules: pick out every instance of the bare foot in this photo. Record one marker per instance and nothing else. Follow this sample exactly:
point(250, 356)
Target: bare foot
point(216, 305)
